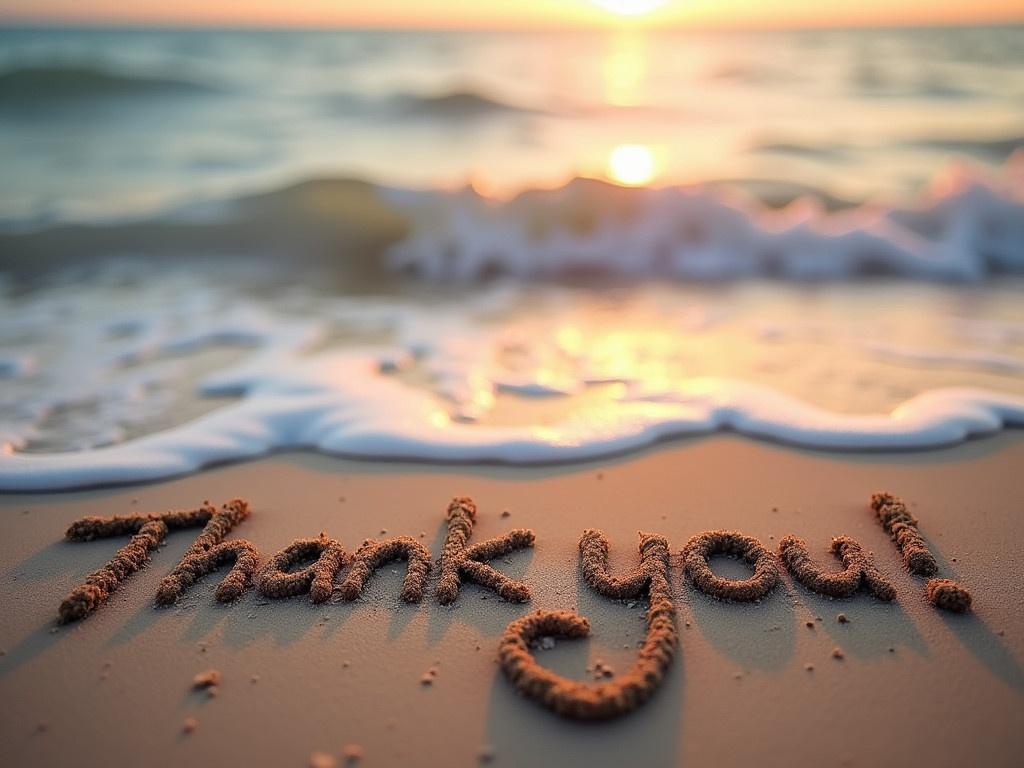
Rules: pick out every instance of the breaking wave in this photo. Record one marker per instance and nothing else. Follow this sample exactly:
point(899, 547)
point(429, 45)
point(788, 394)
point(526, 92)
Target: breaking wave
point(966, 227)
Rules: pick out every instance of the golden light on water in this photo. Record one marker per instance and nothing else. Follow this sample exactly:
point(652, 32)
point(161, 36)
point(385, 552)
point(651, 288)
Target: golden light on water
point(625, 69)
point(631, 164)
point(630, 7)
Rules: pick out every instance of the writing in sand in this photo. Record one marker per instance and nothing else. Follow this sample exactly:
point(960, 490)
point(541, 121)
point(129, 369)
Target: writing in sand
point(333, 571)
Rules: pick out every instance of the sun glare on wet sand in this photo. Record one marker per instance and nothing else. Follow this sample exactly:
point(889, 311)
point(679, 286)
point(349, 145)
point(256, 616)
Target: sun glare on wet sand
point(631, 164)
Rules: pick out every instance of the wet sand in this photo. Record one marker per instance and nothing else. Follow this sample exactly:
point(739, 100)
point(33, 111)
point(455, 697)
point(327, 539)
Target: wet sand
point(913, 685)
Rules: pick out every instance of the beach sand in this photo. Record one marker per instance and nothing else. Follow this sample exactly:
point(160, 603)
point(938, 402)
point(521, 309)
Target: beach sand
point(913, 686)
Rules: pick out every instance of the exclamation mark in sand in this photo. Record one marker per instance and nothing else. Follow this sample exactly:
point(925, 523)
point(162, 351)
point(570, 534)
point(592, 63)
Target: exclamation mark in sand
point(902, 527)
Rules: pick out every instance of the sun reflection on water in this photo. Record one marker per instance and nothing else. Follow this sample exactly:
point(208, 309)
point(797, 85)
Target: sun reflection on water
point(625, 69)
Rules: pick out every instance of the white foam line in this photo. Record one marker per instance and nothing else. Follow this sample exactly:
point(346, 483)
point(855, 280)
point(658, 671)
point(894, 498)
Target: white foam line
point(342, 404)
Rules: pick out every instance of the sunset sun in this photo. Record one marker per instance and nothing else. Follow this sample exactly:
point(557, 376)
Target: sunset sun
point(631, 164)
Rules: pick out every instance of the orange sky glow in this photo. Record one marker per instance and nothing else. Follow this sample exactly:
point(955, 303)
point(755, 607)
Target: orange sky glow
point(521, 13)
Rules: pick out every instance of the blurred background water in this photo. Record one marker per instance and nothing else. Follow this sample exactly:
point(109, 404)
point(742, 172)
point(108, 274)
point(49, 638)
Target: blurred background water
point(185, 214)
point(98, 122)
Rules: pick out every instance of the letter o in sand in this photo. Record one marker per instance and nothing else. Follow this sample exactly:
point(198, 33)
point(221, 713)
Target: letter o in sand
point(710, 543)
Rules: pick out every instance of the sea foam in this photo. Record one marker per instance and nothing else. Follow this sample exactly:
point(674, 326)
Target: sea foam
point(101, 369)
point(428, 395)
point(346, 406)
point(967, 227)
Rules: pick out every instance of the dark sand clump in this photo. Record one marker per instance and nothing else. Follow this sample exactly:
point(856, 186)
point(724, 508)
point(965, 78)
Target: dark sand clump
point(948, 595)
point(207, 679)
point(704, 545)
point(600, 701)
point(902, 527)
point(376, 554)
point(277, 580)
point(460, 560)
point(208, 552)
point(353, 753)
point(859, 571)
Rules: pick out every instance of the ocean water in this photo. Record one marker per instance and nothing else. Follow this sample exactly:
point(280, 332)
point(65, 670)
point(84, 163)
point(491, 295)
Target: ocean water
point(110, 122)
point(517, 247)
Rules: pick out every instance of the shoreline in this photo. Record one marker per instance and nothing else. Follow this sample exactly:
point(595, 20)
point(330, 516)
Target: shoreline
point(670, 442)
point(368, 418)
point(350, 673)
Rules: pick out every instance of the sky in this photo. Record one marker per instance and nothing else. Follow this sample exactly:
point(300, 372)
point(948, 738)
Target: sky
point(447, 14)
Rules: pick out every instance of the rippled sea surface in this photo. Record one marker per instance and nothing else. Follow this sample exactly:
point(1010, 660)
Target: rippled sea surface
point(96, 122)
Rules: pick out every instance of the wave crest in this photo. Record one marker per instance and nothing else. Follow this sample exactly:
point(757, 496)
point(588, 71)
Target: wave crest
point(68, 83)
point(457, 104)
point(966, 227)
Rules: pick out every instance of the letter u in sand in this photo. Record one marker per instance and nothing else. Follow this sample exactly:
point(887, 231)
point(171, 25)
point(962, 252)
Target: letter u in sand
point(600, 701)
